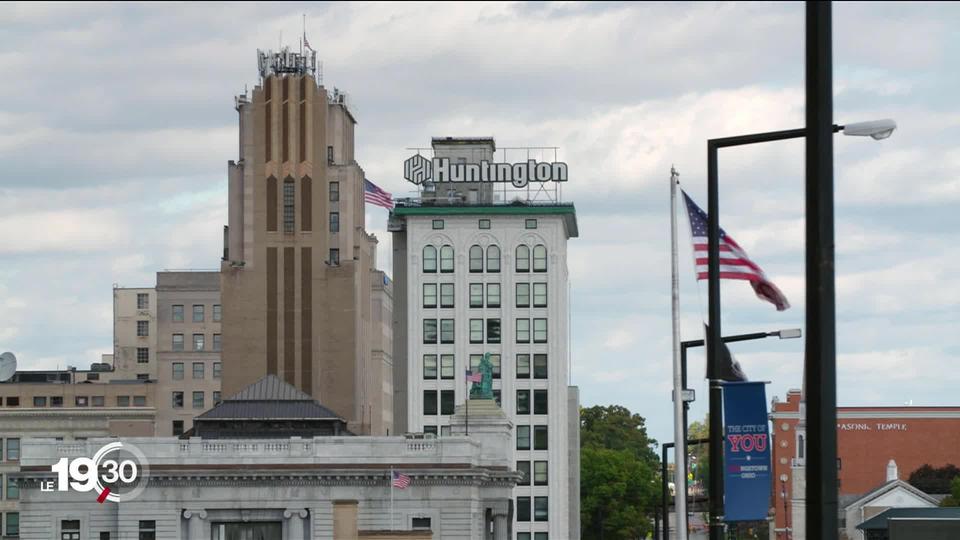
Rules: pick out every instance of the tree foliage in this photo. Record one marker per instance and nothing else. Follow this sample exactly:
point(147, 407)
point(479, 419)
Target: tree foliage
point(934, 480)
point(619, 479)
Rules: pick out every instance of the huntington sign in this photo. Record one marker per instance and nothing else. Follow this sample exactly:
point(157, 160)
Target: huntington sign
point(419, 169)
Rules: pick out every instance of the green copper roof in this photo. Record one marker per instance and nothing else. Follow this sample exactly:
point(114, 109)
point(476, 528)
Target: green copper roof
point(567, 211)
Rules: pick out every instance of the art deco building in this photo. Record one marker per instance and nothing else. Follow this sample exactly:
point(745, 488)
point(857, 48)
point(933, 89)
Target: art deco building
point(298, 278)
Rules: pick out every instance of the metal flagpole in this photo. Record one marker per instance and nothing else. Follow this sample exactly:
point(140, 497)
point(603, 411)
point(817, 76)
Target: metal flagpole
point(680, 446)
point(391, 500)
point(466, 389)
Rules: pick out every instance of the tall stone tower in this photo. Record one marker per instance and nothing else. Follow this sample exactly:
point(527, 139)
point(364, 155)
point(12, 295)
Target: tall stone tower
point(301, 295)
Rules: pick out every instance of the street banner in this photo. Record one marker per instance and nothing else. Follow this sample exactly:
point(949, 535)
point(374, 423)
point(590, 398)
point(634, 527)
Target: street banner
point(746, 452)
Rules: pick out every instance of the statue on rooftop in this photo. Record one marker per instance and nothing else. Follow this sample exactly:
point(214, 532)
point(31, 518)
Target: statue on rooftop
point(484, 388)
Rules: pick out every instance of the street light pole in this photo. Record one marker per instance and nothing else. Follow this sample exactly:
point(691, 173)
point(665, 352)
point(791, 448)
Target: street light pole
point(665, 509)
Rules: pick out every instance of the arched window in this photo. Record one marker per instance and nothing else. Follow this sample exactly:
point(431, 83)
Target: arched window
point(493, 259)
point(540, 258)
point(446, 259)
point(523, 258)
point(429, 259)
point(476, 259)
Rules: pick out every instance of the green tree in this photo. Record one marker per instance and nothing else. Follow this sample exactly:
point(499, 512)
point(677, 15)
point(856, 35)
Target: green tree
point(700, 453)
point(934, 480)
point(619, 478)
point(954, 498)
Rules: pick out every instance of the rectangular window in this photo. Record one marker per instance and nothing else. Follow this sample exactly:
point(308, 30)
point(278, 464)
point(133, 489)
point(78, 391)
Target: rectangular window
point(446, 295)
point(539, 473)
point(334, 222)
point(289, 202)
point(523, 402)
point(476, 295)
point(446, 259)
point(421, 523)
point(177, 371)
point(217, 366)
point(539, 366)
point(476, 330)
point(39, 401)
point(217, 313)
point(523, 330)
point(493, 295)
point(177, 344)
point(143, 301)
point(13, 524)
point(143, 376)
point(177, 400)
point(104, 535)
point(493, 330)
point(523, 536)
point(148, 530)
point(334, 191)
point(523, 366)
point(177, 315)
point(123, 401)
point(446, 331)
point(93, 376)
point(523, 437)
point(446, 402)
point(495, 360)
point(446, 366)
point(13, 449)
point(198, 313)
point(539, 258)
point(217, 342)
point(143, 328)
point(334, 257)
point(539, 437)
point(198, 370)
point(56, 401)
point(198, 400)
point(539, 295)
point(541, 536)
point(475, 362)
point(97, 401)
point(445, 431)
point(330, 155)
point(430, 402)
point(13, 489)
point(437, 224)
point(429, 295)
point(429, 366)
point(539, 330)
point(524, 468)
point(496, 397)
point(81, 401)
point(143, 355)
point(430, 429)
point(539, 402)
point(540, 509)
point(523, 508)
point(216, 397)
point(198, 342)
point(70, 529)
point(523, 295)
point(484, 224)
point(177, 428)
point(530, 224)
point(429, 330)
point(139, 401)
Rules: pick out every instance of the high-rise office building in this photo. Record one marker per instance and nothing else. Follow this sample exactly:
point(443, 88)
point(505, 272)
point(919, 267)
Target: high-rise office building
point(298, 277)
point(480, 266)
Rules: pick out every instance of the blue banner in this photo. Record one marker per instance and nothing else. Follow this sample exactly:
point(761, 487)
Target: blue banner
point(746, 452)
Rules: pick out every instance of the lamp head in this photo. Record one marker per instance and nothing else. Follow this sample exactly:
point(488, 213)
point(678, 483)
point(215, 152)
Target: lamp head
point(876, 129)
point(792, 333)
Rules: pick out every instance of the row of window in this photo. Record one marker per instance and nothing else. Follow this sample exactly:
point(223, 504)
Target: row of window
point(447, 365)
point(198, 313)
point(446, 333)
point(80, 401)
point(199, 370)
point(539, 437)
point(10, 448)
point(438, 224)
point(447, 295)
point(70, 530)
point(289, 205)
point(538, 476)
point(536, 536)
point(491, 258)
point(199, 344)
point(446, 401)
point(540, 512)
point(198, 399)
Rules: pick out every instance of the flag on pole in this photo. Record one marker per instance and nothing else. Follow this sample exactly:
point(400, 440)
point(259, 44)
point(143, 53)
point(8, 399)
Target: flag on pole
point(734, 262)
point(307, 43)
point(474, 377)
point(374, 195)
point(730, 369)
point(401, 481)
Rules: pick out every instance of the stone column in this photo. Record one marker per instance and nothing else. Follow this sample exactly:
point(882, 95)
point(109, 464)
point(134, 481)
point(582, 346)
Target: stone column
point(197, 528)
point(295, 525)
point(501, 528)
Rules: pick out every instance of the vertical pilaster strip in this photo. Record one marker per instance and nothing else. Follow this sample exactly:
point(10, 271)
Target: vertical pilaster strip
point(272, 310)
point(289, 316)
point(306, 320)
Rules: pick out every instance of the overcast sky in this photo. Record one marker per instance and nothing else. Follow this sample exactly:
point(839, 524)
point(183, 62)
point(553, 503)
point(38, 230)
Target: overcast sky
point(117, 121)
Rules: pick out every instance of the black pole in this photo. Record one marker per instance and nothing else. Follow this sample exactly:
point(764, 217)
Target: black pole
point(665, 510)
point(820, 377)
point(656, 523)
point(713, 345)
point(683, 384)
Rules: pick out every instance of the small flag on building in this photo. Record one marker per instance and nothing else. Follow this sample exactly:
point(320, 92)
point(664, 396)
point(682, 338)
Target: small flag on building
point(401, 481)
point(374, 195)
point(307, 43)
point(734, 262)
point(474, 377)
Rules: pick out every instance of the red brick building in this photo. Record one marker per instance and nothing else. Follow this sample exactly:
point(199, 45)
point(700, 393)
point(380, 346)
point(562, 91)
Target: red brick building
point(867, 439)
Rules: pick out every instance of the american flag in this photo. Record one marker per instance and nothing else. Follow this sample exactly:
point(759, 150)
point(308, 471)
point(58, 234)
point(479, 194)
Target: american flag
point(474, 377)
point(401, 481)
point(734, 262)
point(374, 195)
point(307, 43)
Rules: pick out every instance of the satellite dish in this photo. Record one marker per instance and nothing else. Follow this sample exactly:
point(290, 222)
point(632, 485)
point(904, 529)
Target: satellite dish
point(8, 366)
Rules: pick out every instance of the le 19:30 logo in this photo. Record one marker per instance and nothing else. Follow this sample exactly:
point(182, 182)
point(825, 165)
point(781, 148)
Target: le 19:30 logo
point(117, 473)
